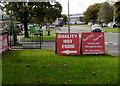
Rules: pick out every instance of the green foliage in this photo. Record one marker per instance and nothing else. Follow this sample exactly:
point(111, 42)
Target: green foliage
point(22, 11)
point(46, 12)
point(54, 12)
point(105, 13)
point(91, 14)
point(39, 12)
point(117, 12)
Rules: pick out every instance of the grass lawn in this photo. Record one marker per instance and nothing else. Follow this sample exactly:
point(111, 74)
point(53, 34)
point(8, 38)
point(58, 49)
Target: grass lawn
point(86, 26)
point(45, 67)
point(111, 29)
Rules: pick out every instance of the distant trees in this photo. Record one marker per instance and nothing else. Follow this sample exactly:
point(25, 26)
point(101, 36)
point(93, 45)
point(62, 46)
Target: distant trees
point(37, 11)
point(91, 14)
point(97, 13)
point(117, 12)
point(105, 13)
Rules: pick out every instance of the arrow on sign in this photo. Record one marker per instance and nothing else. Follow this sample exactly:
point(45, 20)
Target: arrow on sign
point(68, 52)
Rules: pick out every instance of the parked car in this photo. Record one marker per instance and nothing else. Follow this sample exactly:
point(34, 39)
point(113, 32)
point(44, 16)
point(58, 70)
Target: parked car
point(19, 28)
point(81, 23)
point(52, 26)
point(104, 25)
point(116, 25)
point(90, 23)
point(96, 28)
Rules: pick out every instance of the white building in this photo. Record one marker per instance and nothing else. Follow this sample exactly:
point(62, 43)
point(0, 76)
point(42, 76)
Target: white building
point(75, 18)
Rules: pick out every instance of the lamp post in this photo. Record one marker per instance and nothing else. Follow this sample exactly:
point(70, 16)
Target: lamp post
point(68, 18)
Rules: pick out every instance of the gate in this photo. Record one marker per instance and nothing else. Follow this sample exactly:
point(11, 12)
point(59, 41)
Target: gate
point(17, 40)
point(35, 41)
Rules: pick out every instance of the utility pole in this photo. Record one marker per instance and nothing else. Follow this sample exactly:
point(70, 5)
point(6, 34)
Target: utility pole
point(68, 19)
point(2, 21)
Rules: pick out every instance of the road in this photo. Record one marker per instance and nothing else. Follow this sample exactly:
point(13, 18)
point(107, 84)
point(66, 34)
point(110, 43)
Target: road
point(111, 39)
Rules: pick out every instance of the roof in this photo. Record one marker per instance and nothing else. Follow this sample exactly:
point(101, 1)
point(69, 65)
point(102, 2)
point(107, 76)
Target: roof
point(77, 15)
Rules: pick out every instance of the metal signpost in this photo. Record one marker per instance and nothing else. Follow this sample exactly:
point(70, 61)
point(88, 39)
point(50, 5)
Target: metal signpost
point(68, 19)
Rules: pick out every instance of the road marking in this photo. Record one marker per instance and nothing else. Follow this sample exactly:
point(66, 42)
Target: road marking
point(110, 43)
point(68, 52)
point(112, 51)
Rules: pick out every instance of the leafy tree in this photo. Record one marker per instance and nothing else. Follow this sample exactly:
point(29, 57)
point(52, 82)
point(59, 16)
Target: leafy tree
point(22, 11)
point(106, 13)
point(38, 11)
point(53, 12)
point(91, 14)
point(49, 13)
point(117, 12)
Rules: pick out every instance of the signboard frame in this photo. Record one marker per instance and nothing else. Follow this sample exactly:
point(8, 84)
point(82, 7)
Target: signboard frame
point(67, 44)
point(93, 43)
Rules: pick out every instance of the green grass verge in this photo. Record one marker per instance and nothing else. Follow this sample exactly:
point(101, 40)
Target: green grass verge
point(45, 67)
point(37, 38)
point(86, 26)
point(106, 29)
point(116, 30)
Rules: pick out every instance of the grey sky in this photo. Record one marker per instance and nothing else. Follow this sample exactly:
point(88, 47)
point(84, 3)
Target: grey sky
point(77, 6)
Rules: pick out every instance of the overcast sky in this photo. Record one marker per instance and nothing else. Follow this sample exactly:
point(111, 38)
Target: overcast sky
point(77, 6)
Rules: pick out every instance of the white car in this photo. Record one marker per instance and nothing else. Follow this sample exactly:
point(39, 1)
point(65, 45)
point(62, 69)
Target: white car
point(80, 22)
point(90, 23)
point(96, 28)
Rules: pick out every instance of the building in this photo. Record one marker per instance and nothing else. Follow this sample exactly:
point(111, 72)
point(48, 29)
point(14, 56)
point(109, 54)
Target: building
point(75, 18)
point(3, 18)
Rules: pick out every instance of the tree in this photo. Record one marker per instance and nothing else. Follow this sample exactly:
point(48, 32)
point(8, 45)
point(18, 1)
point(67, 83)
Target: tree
point(105, 13)
point(49, 13)
point(40, 11)
point(22, 11)
point(53, 12)
point(117, 12)
point(64, 18)
point(91, 14)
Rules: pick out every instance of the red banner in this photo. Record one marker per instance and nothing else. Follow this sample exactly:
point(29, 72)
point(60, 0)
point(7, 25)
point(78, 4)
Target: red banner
point(3, 42)
point(93, 43)
point(67, 44)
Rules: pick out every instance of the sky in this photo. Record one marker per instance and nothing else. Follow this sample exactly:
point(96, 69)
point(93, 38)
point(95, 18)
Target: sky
point(77, 6)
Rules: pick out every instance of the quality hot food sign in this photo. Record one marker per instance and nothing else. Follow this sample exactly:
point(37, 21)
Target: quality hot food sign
point(93, 43)
point(67, 44)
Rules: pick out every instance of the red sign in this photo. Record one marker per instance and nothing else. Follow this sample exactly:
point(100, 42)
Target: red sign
point(67, 44)
point(93, 43)
point(3, 42)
